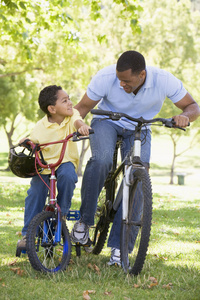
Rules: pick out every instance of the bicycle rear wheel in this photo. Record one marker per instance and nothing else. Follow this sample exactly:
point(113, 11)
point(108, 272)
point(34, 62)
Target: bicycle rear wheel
point(135, 232)
point(45, 254)
point(99, 232)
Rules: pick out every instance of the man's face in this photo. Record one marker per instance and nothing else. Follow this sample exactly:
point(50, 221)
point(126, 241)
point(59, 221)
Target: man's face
point(131, 82)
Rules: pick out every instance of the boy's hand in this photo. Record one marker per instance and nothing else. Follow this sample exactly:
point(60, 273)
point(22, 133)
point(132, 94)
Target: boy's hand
point(22, 140)
point(84, 129)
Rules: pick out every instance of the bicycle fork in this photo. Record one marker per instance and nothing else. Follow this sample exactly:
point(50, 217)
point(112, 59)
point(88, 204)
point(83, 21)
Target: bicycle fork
point(129, 170)
point(55, 207)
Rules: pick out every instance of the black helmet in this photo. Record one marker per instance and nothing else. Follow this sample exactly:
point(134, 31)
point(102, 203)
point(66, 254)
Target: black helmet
point(21, 164)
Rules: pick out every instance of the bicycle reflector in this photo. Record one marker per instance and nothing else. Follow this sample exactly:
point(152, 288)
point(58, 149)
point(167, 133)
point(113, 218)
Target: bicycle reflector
point(21, 164)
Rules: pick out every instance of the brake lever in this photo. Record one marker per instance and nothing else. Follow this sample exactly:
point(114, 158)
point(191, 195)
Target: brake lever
point(78, 137)
point(172, 124)
point(25, 145)
point(179, 128)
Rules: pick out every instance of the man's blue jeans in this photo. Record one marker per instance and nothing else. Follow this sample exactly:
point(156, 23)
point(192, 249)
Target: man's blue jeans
point(37, 193)
point(103, 143)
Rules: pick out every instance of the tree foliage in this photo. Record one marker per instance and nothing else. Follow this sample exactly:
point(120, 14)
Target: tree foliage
point(170, 40)
point(66, 41)
point(52, 42)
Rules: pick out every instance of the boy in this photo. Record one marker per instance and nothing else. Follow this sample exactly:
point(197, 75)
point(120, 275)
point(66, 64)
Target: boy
point(60, 120)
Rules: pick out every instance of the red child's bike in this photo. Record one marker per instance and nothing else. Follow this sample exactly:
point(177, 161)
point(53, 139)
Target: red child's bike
point(48, 242)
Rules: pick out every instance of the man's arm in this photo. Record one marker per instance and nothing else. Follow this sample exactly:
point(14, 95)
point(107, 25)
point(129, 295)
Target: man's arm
point(85, 105)
point(190, 108)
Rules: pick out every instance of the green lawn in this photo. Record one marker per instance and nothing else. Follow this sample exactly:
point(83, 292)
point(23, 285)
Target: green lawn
point(172, 267)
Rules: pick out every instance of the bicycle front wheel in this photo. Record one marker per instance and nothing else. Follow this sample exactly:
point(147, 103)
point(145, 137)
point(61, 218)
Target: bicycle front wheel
point(44, 252)
point(135, 231)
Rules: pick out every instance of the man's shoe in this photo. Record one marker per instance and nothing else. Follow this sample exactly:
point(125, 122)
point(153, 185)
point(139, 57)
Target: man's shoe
point(80, 233)
point(115, 258)
point(21, 244)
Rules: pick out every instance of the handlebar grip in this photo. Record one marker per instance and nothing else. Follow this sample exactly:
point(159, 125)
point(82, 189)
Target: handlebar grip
point(101, 112)
point(91, 131)
point(182, 128)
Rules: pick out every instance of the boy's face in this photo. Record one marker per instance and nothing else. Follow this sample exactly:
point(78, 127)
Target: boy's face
point(63, 106)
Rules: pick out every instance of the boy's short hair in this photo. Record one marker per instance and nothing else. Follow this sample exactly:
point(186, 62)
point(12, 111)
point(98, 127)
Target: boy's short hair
point(131, 60)
point(48, 96)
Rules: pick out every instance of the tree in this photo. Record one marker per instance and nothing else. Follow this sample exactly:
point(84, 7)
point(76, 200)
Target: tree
point(57, 41)
point(170, 40)
point(43, 42)
point(19, 92)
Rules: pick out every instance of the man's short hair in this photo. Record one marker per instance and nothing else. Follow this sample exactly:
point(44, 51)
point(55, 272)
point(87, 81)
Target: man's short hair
point(48, 96)
point(131, 60)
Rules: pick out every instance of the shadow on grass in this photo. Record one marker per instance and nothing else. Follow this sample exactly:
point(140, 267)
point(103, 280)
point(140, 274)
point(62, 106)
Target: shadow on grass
point(12, 195)
point(155, 166)
point(189, 161)
point(3, 160)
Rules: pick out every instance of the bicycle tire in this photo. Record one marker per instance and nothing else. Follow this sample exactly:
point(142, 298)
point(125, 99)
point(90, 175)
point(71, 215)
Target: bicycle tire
point(99, 232)
point(48, 257)
point(133, 261)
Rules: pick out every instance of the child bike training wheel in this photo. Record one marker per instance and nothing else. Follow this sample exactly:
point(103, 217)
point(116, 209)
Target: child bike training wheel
point(135, 231)
point(46, 251)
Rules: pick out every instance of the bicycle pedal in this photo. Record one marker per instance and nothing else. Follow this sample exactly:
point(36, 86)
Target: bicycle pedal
point(73, 215)
point(88, 244)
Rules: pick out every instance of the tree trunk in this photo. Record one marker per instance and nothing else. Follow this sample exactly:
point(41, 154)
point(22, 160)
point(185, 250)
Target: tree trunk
point(85, 146)
point(173, 161)
point(172, 169)
point(9, 134)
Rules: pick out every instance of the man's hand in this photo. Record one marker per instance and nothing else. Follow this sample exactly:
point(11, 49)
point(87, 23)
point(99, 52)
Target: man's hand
point(84, 129)
point(181, 120)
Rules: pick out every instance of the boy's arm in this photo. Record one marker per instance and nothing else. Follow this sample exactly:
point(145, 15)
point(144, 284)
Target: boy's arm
point(82, 127)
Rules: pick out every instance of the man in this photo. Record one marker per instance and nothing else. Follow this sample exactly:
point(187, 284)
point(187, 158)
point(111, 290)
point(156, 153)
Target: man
point(133, 88)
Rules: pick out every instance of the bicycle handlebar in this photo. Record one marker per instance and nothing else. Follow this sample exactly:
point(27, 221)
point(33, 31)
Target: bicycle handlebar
point(36, 147)
point(115, 116)
point(77, 136)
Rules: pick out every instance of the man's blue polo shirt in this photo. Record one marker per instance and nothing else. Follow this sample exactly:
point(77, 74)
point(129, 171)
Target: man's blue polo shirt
point(158, 85)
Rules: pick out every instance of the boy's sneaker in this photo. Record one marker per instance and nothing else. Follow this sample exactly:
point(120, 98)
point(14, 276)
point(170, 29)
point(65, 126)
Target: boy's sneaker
point(115, 257)
point(80, 233)
point(22, 243)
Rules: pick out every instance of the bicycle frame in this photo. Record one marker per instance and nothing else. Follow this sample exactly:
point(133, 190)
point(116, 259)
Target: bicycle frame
point(135, 194)
point(130, 162)
point(52, 204)
point(132, 159)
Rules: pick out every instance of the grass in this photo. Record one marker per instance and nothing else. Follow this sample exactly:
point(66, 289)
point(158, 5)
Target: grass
point(172, 268)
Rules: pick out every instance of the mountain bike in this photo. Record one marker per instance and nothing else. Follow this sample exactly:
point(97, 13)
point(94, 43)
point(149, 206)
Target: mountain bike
point(48, 243)
point(129, 183)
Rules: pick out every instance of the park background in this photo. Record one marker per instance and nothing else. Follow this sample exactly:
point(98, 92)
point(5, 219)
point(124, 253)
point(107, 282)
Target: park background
point(65, 43)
